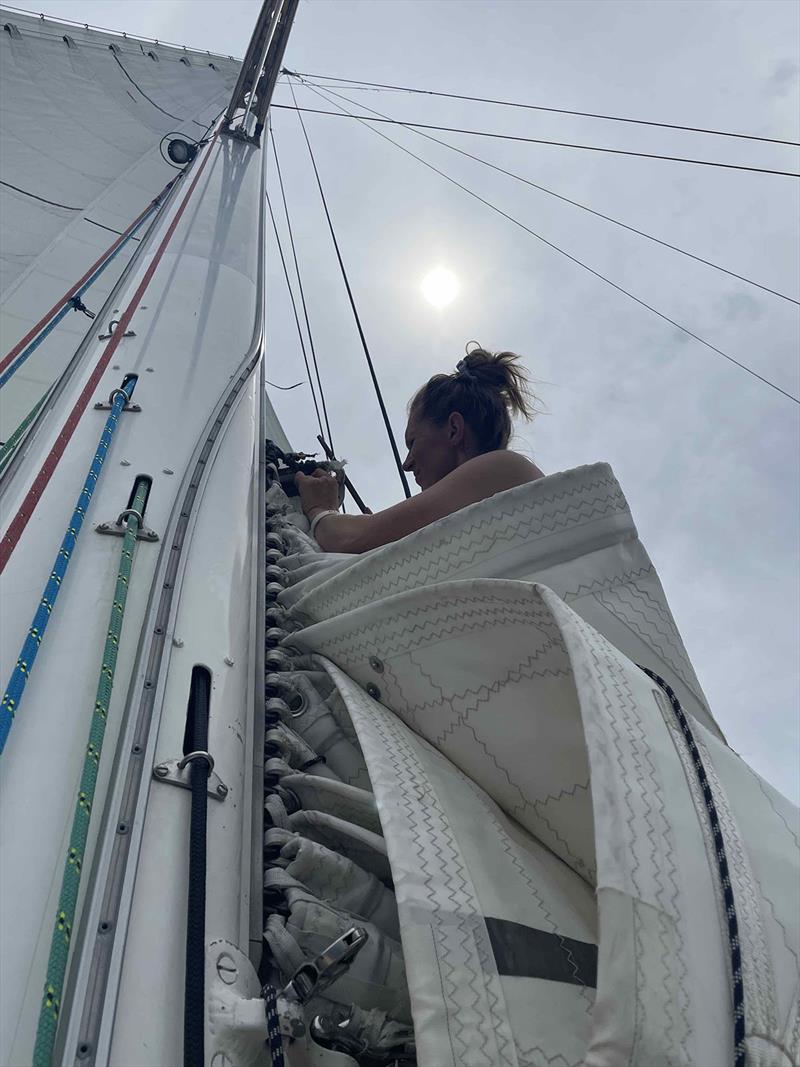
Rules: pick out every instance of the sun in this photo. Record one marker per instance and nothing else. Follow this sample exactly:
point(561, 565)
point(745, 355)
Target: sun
point(440, 287)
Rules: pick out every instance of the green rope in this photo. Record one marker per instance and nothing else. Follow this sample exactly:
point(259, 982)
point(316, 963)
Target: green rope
point(59, 946)
point(8, 448)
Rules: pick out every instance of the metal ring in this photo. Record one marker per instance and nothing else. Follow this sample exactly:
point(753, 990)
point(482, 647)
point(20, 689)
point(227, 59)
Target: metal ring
point(128, 512)
point(116, 393)
point(200, 754)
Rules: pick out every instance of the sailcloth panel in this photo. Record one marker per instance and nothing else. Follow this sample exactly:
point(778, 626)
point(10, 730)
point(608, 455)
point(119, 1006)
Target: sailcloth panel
point(572, 531)
point(505, 857)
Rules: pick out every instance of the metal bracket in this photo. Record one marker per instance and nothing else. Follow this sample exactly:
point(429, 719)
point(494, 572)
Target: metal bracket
point(103, 405)
point(117, 529)
point(241, 135)
point(171, 773)
point(112, 329)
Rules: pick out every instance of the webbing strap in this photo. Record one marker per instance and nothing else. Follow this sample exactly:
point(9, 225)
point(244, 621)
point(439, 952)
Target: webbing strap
point(70, 883)
point(24, 666)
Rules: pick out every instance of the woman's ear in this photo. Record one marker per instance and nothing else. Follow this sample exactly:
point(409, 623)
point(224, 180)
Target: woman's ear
point(455, 428)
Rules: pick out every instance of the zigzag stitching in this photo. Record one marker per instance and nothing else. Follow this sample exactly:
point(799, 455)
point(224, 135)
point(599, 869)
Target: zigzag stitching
point(602, 584)
point(456, 546)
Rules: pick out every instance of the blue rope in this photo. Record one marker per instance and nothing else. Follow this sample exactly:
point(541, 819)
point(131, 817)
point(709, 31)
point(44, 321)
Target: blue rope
point(22, 670)
point(70, 304)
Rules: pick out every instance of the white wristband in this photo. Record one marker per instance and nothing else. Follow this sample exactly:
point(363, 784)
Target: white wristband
point(317, 519)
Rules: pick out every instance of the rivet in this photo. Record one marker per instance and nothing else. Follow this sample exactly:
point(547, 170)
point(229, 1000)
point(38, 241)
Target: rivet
point(177, 642)
point(166, 470)
point(149, 370)
point(115, 367)
point(373, 690)
point(124, 463)
point(222, 790)
point(376, 664)
point(228, 661)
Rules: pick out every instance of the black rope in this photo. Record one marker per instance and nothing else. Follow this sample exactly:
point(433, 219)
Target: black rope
point(724, 873)
point(294, 309)
point(574, 259)
point(325, 94)
point(388, 425)
point(274, 1040)
point(44, 200)
point(194, 991)
point(300, 283)
point(540, 140)
point(144, 94)
point(357, 84)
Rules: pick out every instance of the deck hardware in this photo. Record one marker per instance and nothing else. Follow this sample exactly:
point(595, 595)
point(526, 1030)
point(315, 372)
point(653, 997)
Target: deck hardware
point(177, 642)
point(312, 978)
point(229, 662)
point(176, 772)
point(112, 326)
point(117, 529)
point(376, 664)
point(373, 690)
point(106, 405)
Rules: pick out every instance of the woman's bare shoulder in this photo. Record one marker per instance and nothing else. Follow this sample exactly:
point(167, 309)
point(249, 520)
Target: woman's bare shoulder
point(507, 465)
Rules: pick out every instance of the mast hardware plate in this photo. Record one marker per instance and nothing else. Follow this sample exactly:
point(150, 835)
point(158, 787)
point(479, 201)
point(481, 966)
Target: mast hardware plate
point(172, 773)
point(103, 405)
point(118, 529)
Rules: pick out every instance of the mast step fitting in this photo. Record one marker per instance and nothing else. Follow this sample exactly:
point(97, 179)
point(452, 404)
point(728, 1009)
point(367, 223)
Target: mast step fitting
point(119, 529)
point(176, 772)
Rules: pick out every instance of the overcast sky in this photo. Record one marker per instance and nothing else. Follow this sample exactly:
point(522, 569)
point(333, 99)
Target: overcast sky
point(706, 454)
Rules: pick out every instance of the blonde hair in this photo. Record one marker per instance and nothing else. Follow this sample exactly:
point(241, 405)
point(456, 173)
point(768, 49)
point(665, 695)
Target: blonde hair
point(486, 388)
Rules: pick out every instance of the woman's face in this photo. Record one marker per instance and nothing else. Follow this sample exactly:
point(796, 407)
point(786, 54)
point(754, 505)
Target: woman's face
point(432, 449)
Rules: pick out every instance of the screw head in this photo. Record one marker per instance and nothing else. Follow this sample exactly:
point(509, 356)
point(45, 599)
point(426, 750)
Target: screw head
point(149, 370)
point(167, 470)
point(376, 664)
point(373, 690)
point(177, 642)
point(161, 770)
point(124, 463)
point(222, 790)
point(229, 662)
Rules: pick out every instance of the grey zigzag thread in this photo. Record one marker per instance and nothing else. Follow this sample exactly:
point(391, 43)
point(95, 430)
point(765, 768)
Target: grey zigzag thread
point(756, 967)
point(454, 546)
point(450, 878)
point(647, 782)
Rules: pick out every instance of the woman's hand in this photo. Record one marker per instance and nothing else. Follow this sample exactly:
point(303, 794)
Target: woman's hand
point(318, 491)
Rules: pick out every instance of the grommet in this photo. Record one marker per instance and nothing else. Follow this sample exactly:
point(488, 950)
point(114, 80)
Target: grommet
point(297, 704)
point(376, 664)
point(373, 690)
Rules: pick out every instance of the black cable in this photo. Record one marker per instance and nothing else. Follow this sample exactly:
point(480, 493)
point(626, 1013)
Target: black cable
point(294, 309)
point(557, 144)
point(199, 770)
point(144, 94)
point(323, 94)
point(574, 259)
point(109, 228)
point(388, 425)
point(356, 84)
point(44, 200)
point(300, 286)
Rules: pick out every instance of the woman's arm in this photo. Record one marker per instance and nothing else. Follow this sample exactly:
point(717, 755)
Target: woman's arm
point(475, 480)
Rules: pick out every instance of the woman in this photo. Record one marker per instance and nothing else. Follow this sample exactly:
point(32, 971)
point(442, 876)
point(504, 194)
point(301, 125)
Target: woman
point(457, 438)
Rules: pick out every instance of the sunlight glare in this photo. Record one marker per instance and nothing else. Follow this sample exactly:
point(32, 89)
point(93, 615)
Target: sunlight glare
point(440, 287)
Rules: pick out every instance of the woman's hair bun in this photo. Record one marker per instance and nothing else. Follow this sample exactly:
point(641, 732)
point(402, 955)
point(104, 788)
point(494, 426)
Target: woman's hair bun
point(487, 388)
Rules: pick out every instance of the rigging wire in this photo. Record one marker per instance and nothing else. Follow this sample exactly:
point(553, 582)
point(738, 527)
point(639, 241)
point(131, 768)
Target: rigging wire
point(326, 93)
point(379, 86)
point(540, 140)
point(300, 285)
point(364, 345)
point(294, 309)
point(574, 259)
